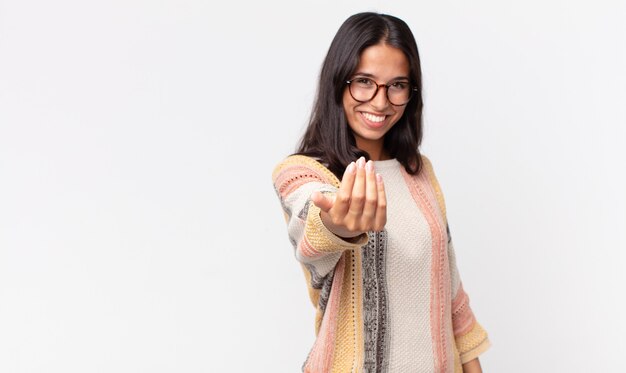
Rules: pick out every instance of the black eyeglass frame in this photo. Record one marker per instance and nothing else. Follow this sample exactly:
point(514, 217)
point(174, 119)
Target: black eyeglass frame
point(412, 89)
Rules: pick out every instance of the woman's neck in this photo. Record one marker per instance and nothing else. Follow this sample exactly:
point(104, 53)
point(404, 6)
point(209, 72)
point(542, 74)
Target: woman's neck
point(376, 150)
point(378, 154)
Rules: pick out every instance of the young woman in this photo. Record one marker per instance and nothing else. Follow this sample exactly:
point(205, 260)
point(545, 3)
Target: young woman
point(377, 255)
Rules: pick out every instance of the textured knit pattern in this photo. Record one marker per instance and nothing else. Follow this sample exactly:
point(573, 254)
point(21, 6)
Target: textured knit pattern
point(391, 301)
point(409, 260)
point(375, 303)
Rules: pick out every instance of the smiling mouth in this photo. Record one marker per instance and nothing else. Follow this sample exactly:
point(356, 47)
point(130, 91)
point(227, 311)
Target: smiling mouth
point(374, 118)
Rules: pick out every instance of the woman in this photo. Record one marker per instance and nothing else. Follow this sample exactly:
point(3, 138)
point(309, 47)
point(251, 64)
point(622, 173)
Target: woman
point(377, 256)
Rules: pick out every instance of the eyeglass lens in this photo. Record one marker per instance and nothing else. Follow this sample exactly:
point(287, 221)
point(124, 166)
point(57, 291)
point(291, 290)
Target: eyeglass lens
point(365, 89)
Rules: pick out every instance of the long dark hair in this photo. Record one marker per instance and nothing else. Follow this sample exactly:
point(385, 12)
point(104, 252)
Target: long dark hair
point(328, 136)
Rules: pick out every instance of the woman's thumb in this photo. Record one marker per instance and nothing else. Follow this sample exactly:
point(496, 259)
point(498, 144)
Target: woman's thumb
point(322, 201)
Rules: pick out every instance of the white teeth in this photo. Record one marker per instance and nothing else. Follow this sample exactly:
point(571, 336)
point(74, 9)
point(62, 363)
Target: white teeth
point(374, 118)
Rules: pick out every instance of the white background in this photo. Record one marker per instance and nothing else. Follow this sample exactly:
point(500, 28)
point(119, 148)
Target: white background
point(139, 230)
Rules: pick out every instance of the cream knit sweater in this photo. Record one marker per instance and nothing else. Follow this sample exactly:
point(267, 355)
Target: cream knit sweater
point(393, 301)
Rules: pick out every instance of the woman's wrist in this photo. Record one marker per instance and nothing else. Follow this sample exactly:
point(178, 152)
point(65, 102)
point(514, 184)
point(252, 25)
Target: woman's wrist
point(340, 232)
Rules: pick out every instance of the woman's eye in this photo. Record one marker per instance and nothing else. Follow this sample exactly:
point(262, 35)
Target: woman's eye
point(400, 85)
point(363, 81)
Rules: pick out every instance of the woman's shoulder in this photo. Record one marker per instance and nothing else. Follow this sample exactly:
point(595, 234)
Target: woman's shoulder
point(426, 161)
point(299, 162)
point(428, 170)
point(425, 166)
point(429, 174)
point(302, 168)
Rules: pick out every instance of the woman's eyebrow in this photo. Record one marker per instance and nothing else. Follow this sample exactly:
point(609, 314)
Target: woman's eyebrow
point(368, 75)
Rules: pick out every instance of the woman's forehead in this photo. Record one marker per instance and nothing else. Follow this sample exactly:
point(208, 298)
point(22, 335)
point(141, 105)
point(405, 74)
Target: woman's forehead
point(382, 61)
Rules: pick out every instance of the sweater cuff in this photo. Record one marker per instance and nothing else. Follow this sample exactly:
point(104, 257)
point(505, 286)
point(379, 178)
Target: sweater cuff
point(325, 241)
point(473, 343)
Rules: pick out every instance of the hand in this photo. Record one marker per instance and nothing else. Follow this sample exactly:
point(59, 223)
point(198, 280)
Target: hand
point(360, 204)
point(472, 366)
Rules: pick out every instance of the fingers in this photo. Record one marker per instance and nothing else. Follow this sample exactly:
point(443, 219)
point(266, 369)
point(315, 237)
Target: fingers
point(357, 201)
point(381, 208)
point(342, 201)
point(371, 193)
point(359, 205)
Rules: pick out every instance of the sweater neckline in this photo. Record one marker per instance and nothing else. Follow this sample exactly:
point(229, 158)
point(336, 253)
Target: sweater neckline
point(386, 164)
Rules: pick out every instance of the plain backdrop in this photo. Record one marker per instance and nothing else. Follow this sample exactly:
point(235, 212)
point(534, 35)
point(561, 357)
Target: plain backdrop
point(139, 229)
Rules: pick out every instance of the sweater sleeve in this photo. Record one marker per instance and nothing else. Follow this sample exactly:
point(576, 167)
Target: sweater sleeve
point(318, 249)
point(470, 337)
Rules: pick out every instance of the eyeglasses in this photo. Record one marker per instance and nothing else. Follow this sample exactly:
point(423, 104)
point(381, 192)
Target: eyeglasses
point(364, 89)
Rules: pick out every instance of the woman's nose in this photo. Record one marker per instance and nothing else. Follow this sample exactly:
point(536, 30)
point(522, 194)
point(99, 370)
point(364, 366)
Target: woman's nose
point(380, 100)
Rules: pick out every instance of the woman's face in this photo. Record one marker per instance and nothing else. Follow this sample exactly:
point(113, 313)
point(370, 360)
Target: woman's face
point(371, 120)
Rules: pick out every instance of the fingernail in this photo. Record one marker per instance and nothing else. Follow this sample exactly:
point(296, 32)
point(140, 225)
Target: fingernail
point(361, 162)
point(351, 167)
point(369, 166)
point(379, 178)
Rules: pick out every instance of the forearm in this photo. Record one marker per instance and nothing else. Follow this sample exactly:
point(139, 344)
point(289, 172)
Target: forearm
point(472, 366)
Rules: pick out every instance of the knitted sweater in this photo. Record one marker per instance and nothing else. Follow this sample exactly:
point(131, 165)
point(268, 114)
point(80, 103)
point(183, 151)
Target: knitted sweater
point(390, 301)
